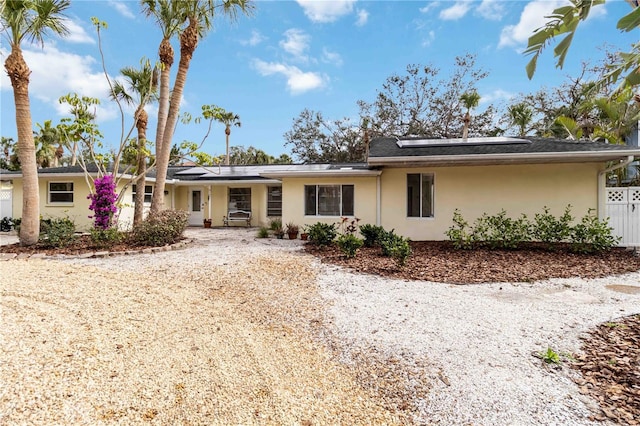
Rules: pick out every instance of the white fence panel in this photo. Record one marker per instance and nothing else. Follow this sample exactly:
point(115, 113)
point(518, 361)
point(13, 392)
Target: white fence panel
point(6, 203)
point(623, 210)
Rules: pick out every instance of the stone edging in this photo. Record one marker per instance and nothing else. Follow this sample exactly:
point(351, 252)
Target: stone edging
point(95, 254)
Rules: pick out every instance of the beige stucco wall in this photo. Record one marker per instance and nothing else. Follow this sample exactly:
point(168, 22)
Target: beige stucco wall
point(293, 199)
point(475, 190)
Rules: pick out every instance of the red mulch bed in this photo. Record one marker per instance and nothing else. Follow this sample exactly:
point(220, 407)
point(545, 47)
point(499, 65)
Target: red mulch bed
point(82, 244)
point(439, 261)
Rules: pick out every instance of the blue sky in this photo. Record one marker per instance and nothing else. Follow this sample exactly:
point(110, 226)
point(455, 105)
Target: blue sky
point(291, 55)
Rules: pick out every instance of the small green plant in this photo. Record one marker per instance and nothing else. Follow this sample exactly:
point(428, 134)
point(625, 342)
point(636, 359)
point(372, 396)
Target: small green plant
point(162, 228)
point(371, 234)
point(592, 235)
point(6, 224)
point(550, 356)
point(275, 223)
point(349, 244)
point(396, 246)
point(549, 229)
point(60, 232)
point(460, 234)
point(322, 234)
point(104, 238)
point(263, 232)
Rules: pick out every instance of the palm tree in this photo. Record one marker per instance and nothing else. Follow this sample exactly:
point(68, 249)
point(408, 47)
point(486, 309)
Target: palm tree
point(46, 139)
point(169, 18)
point(139, 88)
point(199, 15)
point(228, 119)
point(520, 115)
point(28, 20)
point(470, 100)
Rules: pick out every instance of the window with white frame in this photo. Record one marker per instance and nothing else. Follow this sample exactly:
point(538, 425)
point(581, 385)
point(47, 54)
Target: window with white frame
point(240, 199)
point(328, 200)
point(420, 195)
point(274, 201)
point(148, 193)
point(60, 192)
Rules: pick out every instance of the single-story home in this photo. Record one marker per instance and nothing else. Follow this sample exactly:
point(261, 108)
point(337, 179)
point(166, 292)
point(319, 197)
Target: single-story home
point(412, 185)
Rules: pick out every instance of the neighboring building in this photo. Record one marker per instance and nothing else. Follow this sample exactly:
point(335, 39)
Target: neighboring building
point(410, 185)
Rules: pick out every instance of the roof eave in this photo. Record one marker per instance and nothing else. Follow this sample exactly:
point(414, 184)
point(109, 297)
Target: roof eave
point(322, 173)
point(494, 159)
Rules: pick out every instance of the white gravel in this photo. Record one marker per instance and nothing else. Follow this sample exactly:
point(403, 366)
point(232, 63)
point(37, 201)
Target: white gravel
point(479, 340)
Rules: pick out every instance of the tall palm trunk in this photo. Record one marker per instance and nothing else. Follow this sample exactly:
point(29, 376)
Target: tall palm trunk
point(19, 74)
point(142, 119)
point(165, 52)
point(227, 132)
point(188, 43)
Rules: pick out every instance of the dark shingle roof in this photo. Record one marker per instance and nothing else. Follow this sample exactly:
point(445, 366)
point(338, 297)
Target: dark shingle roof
point(386, 149)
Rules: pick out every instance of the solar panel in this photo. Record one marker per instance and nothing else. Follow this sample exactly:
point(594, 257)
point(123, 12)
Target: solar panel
point(423, 143)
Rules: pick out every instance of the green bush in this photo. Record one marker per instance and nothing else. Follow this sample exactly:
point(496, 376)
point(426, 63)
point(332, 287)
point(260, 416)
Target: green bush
point(263, 232)
point(460, 233)
point(592, 235)
point(371, 234)
point(500, 231)
point(349, 244)
point(162, 228)
point(549, 229)
point(104, 238)
point(275, 224)
point(395, 246)
point(322, 234)
point(59, 232)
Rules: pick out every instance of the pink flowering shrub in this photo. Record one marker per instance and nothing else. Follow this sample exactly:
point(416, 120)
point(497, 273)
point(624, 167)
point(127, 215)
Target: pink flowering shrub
point(103, 202)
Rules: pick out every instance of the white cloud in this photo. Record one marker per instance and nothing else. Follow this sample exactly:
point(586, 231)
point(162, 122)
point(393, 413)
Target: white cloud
point(430, 5)
point(363, 17)
point(122, 8)
point(256, 39)
point(77, 34)
point(296, 43)
point(326, 11)
point(431, 36)
point(496, 96)
point(492, 10)
point(532, 18)
point(298, 81)
point(55, 73)
point(331, 57)
point(455, 12)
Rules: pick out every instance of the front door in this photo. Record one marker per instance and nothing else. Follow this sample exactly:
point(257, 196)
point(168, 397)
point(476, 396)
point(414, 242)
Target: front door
point(196, 207)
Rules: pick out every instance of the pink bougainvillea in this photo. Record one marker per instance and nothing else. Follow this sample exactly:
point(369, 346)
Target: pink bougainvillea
point(103, 202)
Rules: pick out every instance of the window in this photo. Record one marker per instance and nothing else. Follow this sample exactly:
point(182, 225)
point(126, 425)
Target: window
point(328, 200)
point(60, 192)
point(274, 201)
point(240, 199)
point(148, 193)
point(419, 195)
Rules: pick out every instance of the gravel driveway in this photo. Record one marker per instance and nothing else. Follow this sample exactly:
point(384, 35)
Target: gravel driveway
point(237, 330)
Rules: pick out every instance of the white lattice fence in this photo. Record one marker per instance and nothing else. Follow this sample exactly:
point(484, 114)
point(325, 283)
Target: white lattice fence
point(623, 209)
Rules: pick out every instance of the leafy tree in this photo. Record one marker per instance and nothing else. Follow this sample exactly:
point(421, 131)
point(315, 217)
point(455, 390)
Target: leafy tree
point(8, 159)
point(138, 89)
point(46, 139)
point(229, 119)
point(419, 103)
point(564, 21)
point(520, 116)
point(199, 15)
point(252, 155)
point(316, 140)
point(470, 100)
point(28, 20)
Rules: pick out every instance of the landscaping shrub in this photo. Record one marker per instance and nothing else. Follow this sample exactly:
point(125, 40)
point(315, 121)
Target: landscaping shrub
point(105, 238)
point(103, 202)
point(504, 232)
point(549, 229)
point(263, 232)
point(275, 224)
point(349, 244)
point(162, 228)
point(459, 233)
point(371, 234)
point(592, 235)
point(349, 226)
point(395, 246)
point(6, 224)
point(59, 231)
point(322, 234)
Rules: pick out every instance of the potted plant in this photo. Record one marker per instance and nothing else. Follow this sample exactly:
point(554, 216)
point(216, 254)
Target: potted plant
point(207, 223)
point(279, 233)
point(304, 235)
point(292, 230)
